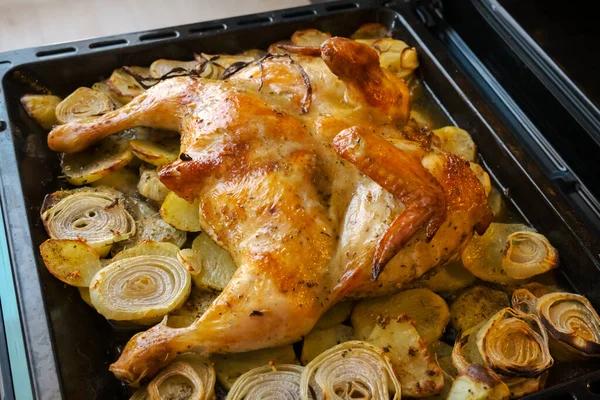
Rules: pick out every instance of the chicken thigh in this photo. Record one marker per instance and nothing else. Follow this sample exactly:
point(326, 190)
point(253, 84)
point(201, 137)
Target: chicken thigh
point(303, 173)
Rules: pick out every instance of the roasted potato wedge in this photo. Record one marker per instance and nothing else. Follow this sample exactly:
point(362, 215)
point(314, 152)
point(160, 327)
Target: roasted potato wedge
point(395, 55)
point(42, 108)
point(229, 367)
point(423, 121)
point(496, 203)
point(319, 340)
point(427, 309)
point(180, 213)
point(442, 353)
point(156, 153)
point(309, 37)
point(84, 292)
point(140, 209)
point(414, 367)
point(95, 163)
point(371, 31)
point(72, 261)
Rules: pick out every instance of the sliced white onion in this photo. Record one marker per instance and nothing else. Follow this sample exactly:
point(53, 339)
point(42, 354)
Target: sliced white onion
point(278, 382)
point(351, 370)
point(141, 288)
point(97, 217)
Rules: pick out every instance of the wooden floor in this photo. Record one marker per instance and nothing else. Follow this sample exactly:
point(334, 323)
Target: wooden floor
point(29, 23)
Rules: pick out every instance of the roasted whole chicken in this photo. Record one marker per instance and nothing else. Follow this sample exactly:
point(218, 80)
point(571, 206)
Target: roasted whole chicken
point(308, 171)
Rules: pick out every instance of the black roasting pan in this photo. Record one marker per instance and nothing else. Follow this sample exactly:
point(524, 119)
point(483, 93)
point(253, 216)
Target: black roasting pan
point(58, 348)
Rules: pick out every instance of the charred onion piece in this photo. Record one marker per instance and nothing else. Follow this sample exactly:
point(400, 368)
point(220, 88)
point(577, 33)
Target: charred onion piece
point(528, 354)
point(571, 321)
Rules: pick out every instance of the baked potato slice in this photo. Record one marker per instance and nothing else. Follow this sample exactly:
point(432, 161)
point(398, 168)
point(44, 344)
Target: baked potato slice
point(428, 310)
point(156, 153)
point(414, 367)
point(335, 315)
point(475, 305)
point(72, 261)
point(319, 340)
point(456, 141)
point(211, 266)
point(180, 213)
point(95, 163)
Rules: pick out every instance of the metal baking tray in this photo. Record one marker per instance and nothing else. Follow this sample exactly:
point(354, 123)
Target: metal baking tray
point(59, 348)
point(540, 86)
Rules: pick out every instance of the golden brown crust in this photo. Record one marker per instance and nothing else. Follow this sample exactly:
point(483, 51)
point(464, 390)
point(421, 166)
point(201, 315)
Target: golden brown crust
point(357, 65)
point(464, 191)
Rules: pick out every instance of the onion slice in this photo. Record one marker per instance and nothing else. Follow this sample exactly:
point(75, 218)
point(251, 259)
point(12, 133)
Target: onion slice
point(83, 103)
point(277, 382)
point(195, 378)
point(141, 289)
point(95, 216)
point(528, 254)
point(528, 354)
point(516, 355)
point(351, 370)
point(573, 324)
